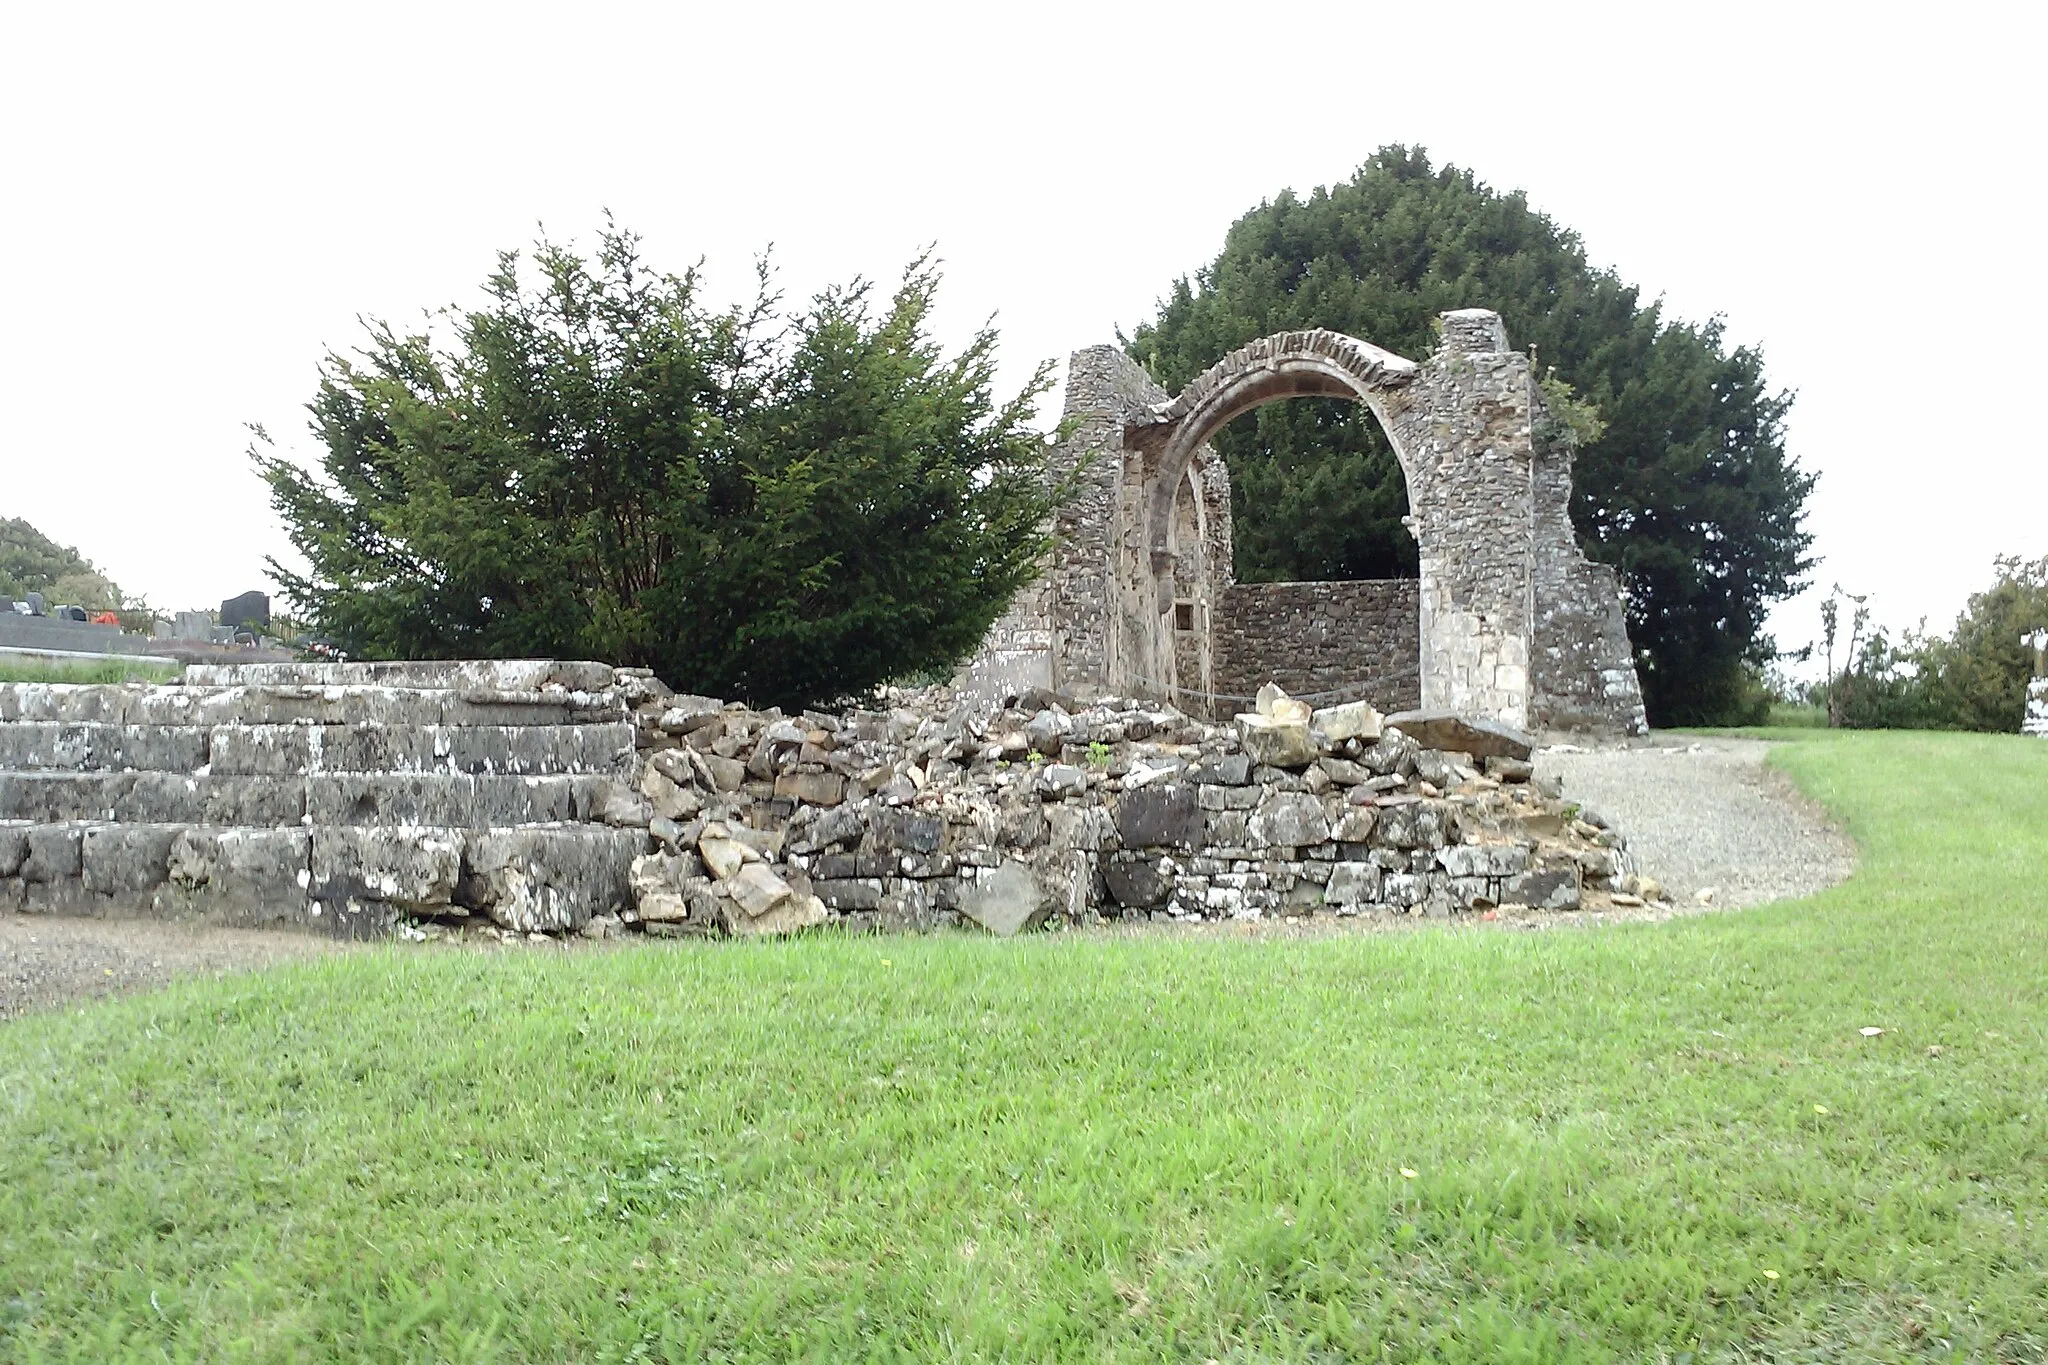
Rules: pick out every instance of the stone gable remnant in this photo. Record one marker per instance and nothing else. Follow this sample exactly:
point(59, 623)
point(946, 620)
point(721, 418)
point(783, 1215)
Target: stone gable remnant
point(1509, 622)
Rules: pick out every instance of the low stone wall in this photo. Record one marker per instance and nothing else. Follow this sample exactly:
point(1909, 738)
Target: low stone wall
point(2036, 722)
point(1345, 641)
point(931, 813)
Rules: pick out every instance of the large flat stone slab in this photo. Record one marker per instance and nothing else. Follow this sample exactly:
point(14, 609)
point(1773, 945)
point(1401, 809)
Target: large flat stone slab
point(1455, 733)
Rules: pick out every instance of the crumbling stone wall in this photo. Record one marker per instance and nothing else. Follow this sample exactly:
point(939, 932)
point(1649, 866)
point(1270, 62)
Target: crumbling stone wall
point(1344, 641)
point(1513, 623)
point(2035, 721)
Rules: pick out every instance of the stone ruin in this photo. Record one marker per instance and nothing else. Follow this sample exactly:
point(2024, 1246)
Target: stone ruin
point(543, 797)
point(1508, 621)
point(1078, 774)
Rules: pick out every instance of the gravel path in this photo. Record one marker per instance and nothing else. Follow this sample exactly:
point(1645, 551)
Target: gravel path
point(1707, 815)
point(47, 960)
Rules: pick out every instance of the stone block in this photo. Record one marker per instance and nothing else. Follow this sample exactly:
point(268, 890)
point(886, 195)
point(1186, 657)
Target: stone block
point(1484, 860)
point(1225, 770)
point(1006, 900)
point(126, 861)
point(1416, 825)
point(1137, 881)
point(1288, 820)
point(815, 789)
point(550, 879)
point(1353, 720)
point(1475, 735)
point(1279, 743)
point(1544, 888)
point(849, 893)
point(409, 868)
point(53, 853)
point(1165, 814)
point(1352, 883)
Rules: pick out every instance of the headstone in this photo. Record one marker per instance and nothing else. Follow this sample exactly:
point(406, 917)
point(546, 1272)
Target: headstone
point(250, 609)
point(192, 625)
point(35, 604)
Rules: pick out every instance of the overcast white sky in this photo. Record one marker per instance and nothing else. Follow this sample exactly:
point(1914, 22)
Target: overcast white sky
point(200, 199)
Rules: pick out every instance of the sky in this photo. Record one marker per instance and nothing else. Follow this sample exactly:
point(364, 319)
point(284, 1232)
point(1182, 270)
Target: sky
point(200, 201)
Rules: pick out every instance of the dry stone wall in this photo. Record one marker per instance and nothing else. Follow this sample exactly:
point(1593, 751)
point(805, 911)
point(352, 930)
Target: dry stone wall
point(537, 797)
point(1346, 641)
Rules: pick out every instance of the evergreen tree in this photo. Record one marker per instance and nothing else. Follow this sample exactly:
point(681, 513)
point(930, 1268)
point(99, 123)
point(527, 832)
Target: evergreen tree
point(786, 509)
point(1687, 488)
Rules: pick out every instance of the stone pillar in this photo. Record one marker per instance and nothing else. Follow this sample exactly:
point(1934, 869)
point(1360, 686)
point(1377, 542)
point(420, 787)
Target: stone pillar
point(1463, 428)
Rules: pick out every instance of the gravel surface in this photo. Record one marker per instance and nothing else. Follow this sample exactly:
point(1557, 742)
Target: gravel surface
point(1700, 815)
point(1706, 815)
point(48, 960)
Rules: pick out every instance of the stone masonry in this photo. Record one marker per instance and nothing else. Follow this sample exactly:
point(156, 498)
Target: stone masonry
point(537, 797)
point(1512, 622)
point(2036, 721)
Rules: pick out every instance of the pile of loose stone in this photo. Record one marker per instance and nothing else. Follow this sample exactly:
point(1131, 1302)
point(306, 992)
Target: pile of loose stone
point(542, 797)
point(934, 811)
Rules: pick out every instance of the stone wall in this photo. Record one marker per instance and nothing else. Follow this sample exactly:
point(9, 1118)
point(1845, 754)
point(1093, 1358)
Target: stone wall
point(1330, 641)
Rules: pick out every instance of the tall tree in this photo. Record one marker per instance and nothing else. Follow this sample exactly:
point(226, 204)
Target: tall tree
point(790, 509)
point(1687, 489)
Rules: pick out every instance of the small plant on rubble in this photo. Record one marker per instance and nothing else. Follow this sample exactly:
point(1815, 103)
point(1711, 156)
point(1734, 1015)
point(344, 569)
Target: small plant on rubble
point(788, 506)
point(1098, 753)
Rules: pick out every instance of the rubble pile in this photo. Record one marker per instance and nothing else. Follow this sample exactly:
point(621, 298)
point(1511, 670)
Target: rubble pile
point(934, 811)
point(540, 797)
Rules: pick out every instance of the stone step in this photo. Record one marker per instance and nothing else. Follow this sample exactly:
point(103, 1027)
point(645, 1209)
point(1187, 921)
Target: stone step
point(244, 750)
point(489, 675)
point(300, 704)
point(346, 879)
point(464, 800)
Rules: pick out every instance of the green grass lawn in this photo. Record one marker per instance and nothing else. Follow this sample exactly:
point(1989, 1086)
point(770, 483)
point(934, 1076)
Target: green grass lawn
point(113, 669)
point(1662, 1142)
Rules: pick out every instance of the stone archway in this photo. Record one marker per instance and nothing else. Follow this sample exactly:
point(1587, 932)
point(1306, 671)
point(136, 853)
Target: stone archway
point(1508, 620)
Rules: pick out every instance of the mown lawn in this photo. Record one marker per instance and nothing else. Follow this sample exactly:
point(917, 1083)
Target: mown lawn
point(1657, 1143)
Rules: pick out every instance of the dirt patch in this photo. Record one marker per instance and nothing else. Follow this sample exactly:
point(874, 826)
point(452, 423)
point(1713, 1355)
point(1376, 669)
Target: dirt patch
point(48, 960)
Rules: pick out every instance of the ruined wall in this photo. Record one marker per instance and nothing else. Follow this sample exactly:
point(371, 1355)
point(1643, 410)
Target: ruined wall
point(1583, 673)
point(1321, 639)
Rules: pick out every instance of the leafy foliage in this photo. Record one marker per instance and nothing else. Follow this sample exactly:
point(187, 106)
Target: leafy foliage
point(1683, 482)
point(1975, 678)
point(31, 562)
point(788, 509)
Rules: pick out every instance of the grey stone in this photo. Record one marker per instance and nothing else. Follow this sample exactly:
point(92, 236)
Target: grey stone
point(1288, 820)
point(1353, 720)
point(1006, 900)
point(1353, 883)
point(1416, 825)
point(1226, 770)
point(1137, 881)
point(1062, 780)
point(1476, 735)
point(1278, 742)
point(1484, 860)
point(1544, 888)
point(1165, 814)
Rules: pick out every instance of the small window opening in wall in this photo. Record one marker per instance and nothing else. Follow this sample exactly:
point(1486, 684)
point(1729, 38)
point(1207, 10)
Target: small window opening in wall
point(1183, 616)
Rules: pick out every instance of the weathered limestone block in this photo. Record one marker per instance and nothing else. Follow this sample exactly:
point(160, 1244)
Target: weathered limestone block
point(411, 868)
point(549, 880)
point(1353, 883)
point(1417, 825)
point(1006, 900)
point(1353, 720)
point(242, 876)
point(126, 860)
point(1474, 735)
point(1277, 743)
point(1288, 820)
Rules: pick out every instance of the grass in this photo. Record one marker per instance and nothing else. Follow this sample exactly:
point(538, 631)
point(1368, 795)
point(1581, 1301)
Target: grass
point(1661, 1143)
point(17, 668)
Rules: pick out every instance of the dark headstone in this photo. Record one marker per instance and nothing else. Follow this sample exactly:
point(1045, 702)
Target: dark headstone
point(250, 609)
point(35, 604)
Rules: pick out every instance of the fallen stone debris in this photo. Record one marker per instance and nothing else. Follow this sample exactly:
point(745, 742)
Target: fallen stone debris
point(544, 798)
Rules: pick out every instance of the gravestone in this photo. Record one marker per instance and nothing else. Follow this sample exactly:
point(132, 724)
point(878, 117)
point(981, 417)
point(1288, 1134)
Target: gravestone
point(250, 609)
